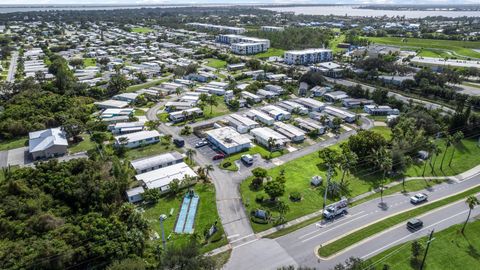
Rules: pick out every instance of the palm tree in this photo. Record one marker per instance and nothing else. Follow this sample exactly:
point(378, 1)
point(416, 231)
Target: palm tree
point(457, 138)
point(190, 153)
point(347, 160)
point(471, 201)
point(429, 146)
point(271, 144)
point(448, 143)
point(382, 158)
point(212, 101)
point(282, 209)
point(185, 116)
point(208, 168)
point(436, 152)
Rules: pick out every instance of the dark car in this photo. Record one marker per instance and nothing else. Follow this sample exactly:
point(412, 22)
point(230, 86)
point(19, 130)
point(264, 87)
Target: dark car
point(179, 142)
point(218, 156)
point(414, 224)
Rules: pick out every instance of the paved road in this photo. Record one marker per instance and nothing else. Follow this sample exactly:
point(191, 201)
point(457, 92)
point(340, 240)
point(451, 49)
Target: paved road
point(467, 89)
point(298, 247)
point(426, 104)
point(13, 67)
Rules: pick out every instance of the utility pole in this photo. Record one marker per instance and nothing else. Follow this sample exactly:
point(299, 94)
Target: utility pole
point(430, 239)
point(164, 242)
point(329, 175)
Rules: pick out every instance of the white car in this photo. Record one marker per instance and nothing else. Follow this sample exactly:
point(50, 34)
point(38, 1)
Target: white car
point(201, 143)
point(418, 198)
point(247, 159)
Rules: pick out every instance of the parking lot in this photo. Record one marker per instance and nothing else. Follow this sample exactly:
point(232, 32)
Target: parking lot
point(207, 151)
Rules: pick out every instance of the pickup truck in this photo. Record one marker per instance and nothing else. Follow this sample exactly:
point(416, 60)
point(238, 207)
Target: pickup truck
point(335, 209)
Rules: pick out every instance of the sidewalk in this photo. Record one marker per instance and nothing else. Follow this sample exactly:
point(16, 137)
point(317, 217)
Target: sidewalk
point(458, 178)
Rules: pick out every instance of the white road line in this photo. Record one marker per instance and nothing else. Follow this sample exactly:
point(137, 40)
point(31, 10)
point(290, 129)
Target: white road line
point(307, 234)
point(336, 227)
point(234, 235)
point(249, 242)
point(236, 240)
point(416, 233)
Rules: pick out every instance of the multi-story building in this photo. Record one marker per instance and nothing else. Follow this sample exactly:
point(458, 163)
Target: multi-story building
point(219, 28)
point(248, 48)
point(308, 56)
point(267, 28)
point(244, 45)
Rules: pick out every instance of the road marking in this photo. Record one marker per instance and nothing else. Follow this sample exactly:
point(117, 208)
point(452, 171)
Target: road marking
point(249, 242)
point(236, 240)
point(307, 234)
point(336, 227)
point(416, 233)
point(234, 235)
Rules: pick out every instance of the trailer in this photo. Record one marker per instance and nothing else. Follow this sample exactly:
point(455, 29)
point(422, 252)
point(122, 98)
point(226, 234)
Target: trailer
point(337, 208)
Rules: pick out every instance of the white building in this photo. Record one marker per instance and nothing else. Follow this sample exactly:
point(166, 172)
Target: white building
point(161, 178)
point(147, 164)
point(47, 143)
point(310, 125)
point(241, 123)
point(311, 104)
point(380, 110)
point(137, 139)
point(267, 28)
point(135, 195)
point(228, 140)
point(263, 135)
point(219, 28)
point(291, 132)
point(308, 56)
point(188, 113)
point(261, 117)
point(248, 48)
point(108, 104)
point(346, 116)
point(126, 127)
point(277, 113)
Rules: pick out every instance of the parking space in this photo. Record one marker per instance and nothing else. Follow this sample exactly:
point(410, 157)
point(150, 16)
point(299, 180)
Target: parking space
point(207, 151)
point(18, 156)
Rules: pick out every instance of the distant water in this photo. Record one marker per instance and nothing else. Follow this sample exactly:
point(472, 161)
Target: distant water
point(353, 11)
point(27, 8)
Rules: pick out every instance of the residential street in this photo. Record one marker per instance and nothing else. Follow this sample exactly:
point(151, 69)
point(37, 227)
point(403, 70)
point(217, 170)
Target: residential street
point(299, 247)
point(13, 67)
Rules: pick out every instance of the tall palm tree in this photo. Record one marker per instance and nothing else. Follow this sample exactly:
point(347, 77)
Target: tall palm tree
point(271, 143)
point(212, 102)
point(348, 159)
point(190, 153)
point(382, 158)
point(471, 201)
point(457, 138)
point(208, 168)
point(435, 151)
point(448, 143)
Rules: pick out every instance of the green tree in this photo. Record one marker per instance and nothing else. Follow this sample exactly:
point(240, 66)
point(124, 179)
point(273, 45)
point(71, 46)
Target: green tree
point(456, 139)
point(190, 153)
point(212, 101)
point(274, 189)
point(118, 83)
point(151, 195)
point(185, 256)
point(347, 160)
point(471, 201)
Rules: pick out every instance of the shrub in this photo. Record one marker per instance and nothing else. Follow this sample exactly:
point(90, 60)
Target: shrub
point(257, 183)
point(227, 164)
point(259, 198)
point(217, 236)
point(295, 196)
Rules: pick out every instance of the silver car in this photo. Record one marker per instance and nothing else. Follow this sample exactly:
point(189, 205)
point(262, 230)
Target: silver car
point(418, 198)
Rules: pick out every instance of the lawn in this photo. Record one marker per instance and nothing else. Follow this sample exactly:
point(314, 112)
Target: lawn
point(462, 48)
point(466, 157)
point(216, 63)
point(13, 143)
point(141, 30)
point(150, 150)
point(218, 110)
point(386, 132)
point(89, 62)
point(299, 172)
point(139, 112)
point(206, 215)
point(151, 83)
point(85, 145)
point(271, 52)
point(252, 151)
point(333, 44)
point(450, 250)
point(357, 236)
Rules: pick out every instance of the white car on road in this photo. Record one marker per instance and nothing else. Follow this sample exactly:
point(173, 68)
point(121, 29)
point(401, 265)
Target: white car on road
point(418, 198)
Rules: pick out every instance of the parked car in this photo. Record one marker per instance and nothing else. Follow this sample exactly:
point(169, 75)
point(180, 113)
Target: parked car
point(247, 159)
point(201, 143)
point(218, 156)
point(414, 224)
point(418, 198)
point(179, 142)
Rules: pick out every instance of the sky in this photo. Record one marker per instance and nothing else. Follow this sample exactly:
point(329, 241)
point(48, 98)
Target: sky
point(140, 2)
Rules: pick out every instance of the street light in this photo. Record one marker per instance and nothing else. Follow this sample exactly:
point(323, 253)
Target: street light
point(162, 218)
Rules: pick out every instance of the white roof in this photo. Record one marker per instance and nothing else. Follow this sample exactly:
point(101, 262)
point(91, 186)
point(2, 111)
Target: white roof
point(138, 136)
point(307, 51)
point(112, 103)
point(267, 133)
point(228, 136)
point(151, 162)
point(127, 95)
point(163, 176)
point(44, 139)
point(289, 129)
point(135, 191)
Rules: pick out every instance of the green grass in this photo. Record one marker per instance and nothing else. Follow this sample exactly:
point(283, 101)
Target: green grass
point(375, 228)
point(82, 146)
point(139, 112)
point(333, 45)
point(149, 150)
point(141, 30)
point(89, 62)
point(466, 157)
point(361, 181)
point(13, 143)
point(216, 63)
point(221, 259)
point(206, 215)
point(218, 110)
point(271, 52)
point(151, 83)
point(252, 151)
point(386, 132)
point(462, 48)
point(450, 250)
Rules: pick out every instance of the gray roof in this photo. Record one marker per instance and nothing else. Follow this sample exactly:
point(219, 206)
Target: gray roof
point(154, 161)
point(44, 139)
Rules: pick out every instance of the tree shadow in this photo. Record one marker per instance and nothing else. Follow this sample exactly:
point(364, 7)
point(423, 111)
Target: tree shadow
point(383, 206)
point(473, 252)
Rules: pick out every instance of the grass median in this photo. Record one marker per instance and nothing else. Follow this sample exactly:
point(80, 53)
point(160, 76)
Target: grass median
point(380, 226)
